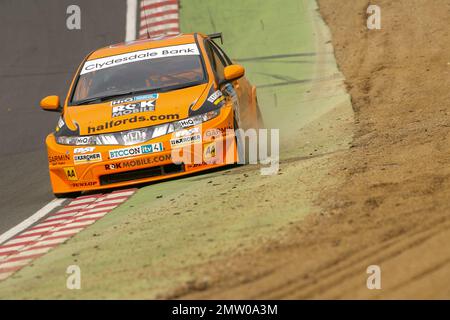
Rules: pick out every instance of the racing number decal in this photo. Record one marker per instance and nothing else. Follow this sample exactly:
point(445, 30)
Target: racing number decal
point(71, 174)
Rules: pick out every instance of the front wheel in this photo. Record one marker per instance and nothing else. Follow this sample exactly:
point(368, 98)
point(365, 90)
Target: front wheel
point(240, 145)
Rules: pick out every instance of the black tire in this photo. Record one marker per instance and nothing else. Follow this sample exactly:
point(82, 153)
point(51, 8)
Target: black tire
point(239, 145)
point(67, 195)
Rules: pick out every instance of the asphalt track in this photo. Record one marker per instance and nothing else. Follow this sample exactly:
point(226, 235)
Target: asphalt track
point(38, 57)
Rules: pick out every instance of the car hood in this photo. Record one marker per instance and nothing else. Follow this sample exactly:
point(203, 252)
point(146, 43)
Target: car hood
point(137, 111)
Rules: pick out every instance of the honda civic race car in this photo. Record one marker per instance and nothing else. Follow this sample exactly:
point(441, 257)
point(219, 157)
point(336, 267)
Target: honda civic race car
point(149, 110)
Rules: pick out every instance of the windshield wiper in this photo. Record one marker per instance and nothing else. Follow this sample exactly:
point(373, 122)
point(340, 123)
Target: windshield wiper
point(112, 96)
point(89, 101)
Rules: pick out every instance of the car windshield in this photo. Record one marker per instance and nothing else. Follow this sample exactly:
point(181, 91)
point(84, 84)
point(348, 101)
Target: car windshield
point(159, 69)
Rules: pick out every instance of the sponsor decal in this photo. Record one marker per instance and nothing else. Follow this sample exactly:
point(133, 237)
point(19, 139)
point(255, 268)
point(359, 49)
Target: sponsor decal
point(84, 184)
point(209, 151)
point(117, 123)
point(229, 90)
point(113, 61)
point(136, 151)
point(84, 150)
point(57, 159)
point(60, 124)
point(215, 100)
point(152, 96)
point(184, 133)
point(71, 174)
point(217, 132)
point(83, 140)
point(213, 133)
point(85, 158)
point(178, 142)
point(137, 162)
point(133, 107)
point(186, 123)
point(151, 148)
point(135, 137)
point(216, 97)
point(63, 130)
point(196, 165)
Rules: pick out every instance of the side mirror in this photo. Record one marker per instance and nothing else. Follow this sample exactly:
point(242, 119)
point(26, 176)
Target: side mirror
point(51, 103)
point(233, 72)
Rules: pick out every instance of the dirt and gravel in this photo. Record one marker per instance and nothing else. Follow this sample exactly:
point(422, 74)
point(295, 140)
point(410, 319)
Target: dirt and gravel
point(392, 208)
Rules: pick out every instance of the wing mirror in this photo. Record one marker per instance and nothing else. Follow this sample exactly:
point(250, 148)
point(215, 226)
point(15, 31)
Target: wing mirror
point(234, 72)
point(51, 103)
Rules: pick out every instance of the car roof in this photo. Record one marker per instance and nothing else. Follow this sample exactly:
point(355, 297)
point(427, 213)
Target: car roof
point(143, 44)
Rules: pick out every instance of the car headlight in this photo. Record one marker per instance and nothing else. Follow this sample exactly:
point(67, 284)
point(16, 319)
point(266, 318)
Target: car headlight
point(136, 136)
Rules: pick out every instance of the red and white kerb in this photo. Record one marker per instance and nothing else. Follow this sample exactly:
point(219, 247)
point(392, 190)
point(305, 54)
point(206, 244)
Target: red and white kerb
point(57, 228)
point(159, 18)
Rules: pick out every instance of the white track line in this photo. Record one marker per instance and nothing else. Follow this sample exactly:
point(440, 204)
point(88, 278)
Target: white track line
point(130, 27)
point(31, 220)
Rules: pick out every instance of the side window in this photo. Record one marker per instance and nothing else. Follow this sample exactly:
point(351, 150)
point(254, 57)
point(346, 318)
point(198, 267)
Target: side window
point(217, 61)
point(222, 54)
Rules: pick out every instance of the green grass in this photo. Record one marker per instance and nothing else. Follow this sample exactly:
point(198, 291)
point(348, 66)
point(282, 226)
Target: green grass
point(278, 32)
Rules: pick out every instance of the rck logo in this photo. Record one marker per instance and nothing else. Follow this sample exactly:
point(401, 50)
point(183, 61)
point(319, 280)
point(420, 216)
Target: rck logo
point(131, 108)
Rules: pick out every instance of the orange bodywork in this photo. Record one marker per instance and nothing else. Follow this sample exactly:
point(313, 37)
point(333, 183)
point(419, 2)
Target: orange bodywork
point(87, 166)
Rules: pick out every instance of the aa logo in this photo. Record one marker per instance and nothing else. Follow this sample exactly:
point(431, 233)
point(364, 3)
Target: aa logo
point(210, 151)
point(71, 174)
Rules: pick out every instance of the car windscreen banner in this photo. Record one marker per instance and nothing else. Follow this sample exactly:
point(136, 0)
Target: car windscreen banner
point(164, 52)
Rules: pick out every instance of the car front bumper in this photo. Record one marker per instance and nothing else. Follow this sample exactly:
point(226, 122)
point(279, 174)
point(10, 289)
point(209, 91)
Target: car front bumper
point(68, 174)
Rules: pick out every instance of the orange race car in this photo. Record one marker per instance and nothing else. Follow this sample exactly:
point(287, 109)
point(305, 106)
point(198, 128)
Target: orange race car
point(149, 110)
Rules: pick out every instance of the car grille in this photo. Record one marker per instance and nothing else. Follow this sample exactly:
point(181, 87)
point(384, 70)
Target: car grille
point(141, 174)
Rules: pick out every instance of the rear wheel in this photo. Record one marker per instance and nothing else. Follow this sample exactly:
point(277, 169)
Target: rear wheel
point(240, 145)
